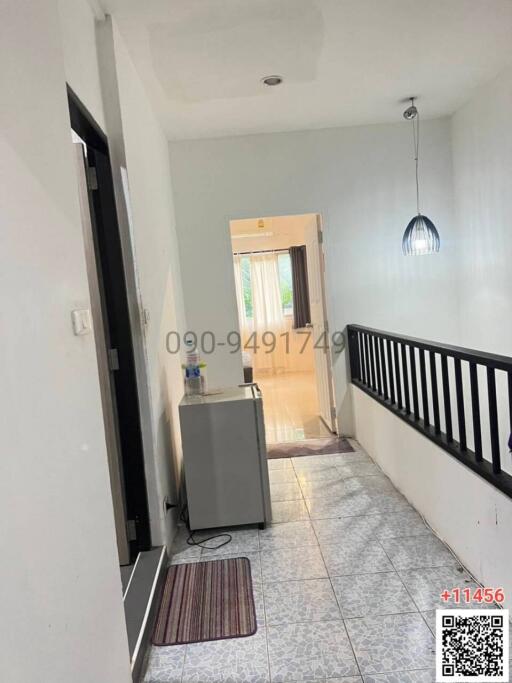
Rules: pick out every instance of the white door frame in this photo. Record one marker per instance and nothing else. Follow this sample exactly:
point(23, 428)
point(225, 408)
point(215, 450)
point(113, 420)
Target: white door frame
point(330, 420)
point(104, 373)
point(322, 333)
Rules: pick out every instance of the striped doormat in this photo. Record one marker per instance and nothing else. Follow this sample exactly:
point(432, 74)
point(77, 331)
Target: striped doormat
point(206, 601)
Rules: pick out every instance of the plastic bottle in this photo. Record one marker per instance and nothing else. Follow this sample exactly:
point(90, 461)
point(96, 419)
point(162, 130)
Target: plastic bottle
point(194, 377)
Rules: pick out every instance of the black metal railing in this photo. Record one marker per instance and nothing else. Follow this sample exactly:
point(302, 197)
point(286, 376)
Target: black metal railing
point(420, 381)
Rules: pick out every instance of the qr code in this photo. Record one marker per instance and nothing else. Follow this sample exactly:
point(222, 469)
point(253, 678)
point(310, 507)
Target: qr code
point(472, 645)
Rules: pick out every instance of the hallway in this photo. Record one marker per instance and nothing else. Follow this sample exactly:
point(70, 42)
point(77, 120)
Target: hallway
point(196, 174)
point(291, 407)
point(346, 583)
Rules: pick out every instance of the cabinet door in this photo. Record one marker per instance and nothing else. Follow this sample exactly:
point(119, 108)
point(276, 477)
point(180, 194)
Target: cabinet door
point(222, 464)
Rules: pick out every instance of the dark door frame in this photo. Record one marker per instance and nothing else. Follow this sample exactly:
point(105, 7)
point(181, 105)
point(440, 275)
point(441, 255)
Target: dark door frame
point(107, 235)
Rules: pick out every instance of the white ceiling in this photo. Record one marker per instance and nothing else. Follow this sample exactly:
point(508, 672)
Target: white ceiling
point(344, 62)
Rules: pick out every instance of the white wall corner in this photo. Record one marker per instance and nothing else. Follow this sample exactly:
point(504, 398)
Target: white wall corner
point(97, 9)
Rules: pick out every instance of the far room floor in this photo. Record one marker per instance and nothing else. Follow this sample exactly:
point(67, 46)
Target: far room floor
point(290, 404)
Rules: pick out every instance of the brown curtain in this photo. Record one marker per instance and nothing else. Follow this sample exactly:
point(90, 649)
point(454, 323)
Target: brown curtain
point(301, 311)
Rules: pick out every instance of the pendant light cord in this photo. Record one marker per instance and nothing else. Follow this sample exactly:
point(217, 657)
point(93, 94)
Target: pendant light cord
point(416, 142)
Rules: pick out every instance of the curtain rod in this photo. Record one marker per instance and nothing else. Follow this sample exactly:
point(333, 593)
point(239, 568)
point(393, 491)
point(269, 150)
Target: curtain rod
point(259, 251)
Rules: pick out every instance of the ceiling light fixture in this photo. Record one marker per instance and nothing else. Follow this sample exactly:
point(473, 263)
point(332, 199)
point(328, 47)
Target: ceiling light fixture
point(420, 236)
point(271, 81)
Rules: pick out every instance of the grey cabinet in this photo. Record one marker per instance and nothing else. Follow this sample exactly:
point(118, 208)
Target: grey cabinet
point(225, 458)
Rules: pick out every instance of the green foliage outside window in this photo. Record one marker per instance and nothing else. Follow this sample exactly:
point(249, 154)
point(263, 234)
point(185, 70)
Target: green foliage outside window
point(245, 266)
point(285, 281)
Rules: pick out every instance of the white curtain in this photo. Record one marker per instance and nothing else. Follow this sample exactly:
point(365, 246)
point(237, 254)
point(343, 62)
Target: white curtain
point(268, 322)
point(294, 353)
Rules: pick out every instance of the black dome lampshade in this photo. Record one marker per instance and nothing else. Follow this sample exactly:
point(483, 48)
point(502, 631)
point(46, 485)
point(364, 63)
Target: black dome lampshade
point(420, 236)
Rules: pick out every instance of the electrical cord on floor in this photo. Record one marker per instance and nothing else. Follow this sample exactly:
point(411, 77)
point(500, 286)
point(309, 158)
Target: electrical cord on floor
point(192, 541)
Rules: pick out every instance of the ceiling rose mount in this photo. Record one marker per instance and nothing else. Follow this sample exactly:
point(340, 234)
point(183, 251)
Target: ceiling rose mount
point(412, 111)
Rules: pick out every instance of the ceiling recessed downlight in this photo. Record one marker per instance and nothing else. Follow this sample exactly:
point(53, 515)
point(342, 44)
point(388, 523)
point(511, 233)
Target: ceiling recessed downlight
point(272, 80)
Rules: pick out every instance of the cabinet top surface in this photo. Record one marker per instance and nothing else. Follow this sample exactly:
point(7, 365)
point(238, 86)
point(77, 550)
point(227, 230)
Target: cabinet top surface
point(225, 395)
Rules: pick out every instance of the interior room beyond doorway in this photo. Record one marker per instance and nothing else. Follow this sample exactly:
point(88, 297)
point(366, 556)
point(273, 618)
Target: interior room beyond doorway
point(273, 287)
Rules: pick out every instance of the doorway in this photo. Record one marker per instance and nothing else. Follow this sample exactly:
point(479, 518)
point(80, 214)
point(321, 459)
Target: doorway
point(279, 279)
point(113, 333)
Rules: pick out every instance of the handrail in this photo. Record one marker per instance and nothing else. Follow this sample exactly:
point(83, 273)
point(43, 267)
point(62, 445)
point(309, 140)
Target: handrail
point(493, 360)
point(412, 378)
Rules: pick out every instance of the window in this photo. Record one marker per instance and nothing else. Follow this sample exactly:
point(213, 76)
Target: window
point(285, 280)
point(284, 266)
point(245, 267)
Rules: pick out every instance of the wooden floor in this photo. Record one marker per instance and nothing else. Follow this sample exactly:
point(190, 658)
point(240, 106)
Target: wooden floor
point(290, 404)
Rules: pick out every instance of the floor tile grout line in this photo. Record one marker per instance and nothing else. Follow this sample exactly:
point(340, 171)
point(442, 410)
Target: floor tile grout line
point(422, 612)
point(435, 566)
point(300, 546)
point(334, 576)
point(368, 514)
point(461, 564)
point(420, 568)
point(183, 665)
point(428, 625)
point(336, 597)
point(315, 578)
point(309, 621)
point(340, 611)
point(402, 581)
point(361, 573)
point(352, 441)
point(266, 627)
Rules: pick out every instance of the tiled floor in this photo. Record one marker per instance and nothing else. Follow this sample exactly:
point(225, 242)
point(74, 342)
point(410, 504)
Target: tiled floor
point(345, 584)
point(290, 405)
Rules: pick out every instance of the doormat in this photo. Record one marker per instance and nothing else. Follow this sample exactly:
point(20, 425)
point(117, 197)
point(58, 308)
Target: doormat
point(206, 601)
point(296, 449)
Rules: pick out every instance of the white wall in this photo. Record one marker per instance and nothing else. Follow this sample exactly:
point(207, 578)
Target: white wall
point(78, 36)
point(280, 232)
point(361, 181)
point(60, 586)
point(482, 161)
point(158, 268)
point(469, 514)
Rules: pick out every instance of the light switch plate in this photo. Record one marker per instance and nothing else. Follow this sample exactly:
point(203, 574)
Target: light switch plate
point(81, 319)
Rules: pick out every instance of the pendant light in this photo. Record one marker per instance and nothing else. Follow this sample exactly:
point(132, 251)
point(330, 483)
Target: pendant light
point(420, 236)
